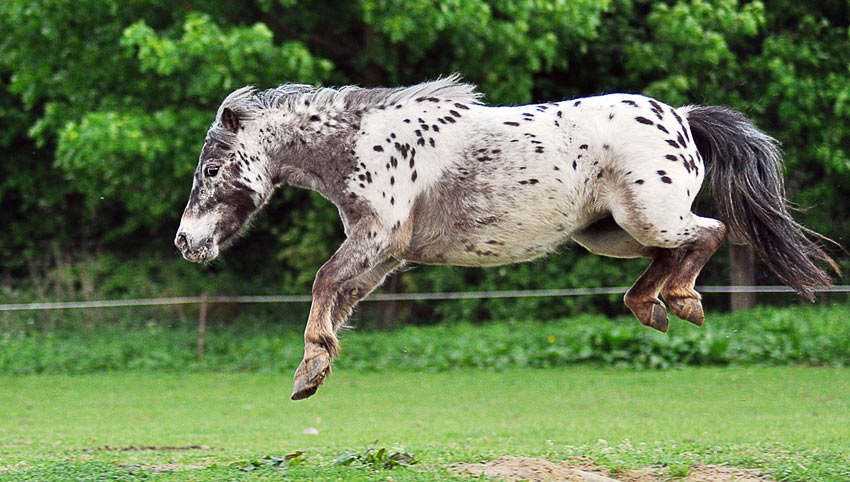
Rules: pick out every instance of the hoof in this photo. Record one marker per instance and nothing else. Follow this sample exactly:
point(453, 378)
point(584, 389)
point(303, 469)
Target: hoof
point(657, 318)
point(310, 374)
point(689, 309)
point(650, 313)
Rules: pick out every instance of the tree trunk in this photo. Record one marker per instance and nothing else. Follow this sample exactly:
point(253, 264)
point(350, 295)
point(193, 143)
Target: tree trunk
point(742, 272)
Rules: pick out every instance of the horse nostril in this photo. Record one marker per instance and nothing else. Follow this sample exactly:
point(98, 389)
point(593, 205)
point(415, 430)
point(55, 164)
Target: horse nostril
point(181, 242)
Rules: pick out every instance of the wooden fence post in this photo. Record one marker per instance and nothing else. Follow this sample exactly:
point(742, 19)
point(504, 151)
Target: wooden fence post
point(202, 326)
point(742, 272)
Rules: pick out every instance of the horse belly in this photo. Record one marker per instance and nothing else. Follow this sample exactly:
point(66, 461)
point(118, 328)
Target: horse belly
point(495, 240)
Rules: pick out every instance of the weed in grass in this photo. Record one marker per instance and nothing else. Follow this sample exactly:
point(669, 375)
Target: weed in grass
point(377, 459)
point(281, 462)
point(679, 471)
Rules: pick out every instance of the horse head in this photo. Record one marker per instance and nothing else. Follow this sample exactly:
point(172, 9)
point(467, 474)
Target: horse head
point(231, 184)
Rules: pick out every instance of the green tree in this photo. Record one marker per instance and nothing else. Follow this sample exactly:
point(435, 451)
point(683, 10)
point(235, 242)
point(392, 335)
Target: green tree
point(105, 105)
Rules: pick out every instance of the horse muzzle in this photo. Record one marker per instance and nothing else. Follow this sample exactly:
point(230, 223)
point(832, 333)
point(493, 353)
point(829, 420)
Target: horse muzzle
point(196, 251)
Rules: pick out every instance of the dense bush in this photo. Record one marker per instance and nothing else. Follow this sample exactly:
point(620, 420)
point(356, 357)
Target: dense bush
point(818, 335)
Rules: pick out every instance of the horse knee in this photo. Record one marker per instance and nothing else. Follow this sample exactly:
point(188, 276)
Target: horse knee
point(349, 293)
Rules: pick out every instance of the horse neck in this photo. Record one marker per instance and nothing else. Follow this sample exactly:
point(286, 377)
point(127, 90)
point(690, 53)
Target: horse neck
point(310, 147)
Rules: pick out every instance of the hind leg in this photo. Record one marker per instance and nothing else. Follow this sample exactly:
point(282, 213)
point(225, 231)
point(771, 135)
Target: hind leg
point(642, 297)
point(679, 291)
point(672, 272)
point(682, 243)
point(607, 238)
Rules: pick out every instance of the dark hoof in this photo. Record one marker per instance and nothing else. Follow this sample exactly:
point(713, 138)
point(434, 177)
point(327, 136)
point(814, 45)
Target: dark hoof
point(309, 375)
point(650, 313)
point(657, 318)
point(689, 309)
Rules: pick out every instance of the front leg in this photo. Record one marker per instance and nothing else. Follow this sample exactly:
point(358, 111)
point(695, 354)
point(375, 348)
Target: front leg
point(358, 267)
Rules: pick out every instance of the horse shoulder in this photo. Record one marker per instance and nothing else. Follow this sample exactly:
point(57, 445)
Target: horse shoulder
point(392, 164)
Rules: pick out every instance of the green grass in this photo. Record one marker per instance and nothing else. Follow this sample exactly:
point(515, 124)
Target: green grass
point(792, 421)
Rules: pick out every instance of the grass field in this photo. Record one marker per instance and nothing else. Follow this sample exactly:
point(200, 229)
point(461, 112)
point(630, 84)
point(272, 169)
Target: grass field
point(793, 422)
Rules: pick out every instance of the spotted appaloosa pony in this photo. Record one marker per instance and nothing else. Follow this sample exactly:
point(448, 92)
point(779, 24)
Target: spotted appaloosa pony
point(428, 174)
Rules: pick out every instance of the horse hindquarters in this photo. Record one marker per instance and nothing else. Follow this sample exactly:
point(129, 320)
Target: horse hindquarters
point(658, 174)
point(743, 166)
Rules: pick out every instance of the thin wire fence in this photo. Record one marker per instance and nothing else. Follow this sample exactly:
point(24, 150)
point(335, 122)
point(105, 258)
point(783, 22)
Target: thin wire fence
point(202, 300)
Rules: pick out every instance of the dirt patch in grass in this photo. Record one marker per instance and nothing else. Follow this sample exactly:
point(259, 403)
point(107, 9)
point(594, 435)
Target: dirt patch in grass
point(581, 470)
point(149, 448)
point(164, 467)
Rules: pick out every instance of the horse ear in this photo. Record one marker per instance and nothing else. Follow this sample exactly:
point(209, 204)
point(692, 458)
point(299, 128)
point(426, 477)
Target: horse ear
point(229, 119)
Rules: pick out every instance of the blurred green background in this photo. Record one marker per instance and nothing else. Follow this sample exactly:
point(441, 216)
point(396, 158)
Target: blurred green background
point(104, 105)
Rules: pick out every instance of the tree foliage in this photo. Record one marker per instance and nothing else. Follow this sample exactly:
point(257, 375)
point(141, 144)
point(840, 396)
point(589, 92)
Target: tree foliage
point(105, 104)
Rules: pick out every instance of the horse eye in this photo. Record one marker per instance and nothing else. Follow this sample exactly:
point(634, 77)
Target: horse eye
point(211, 171)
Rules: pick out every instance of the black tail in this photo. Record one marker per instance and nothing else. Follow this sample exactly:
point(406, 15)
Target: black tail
point(744, 169)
